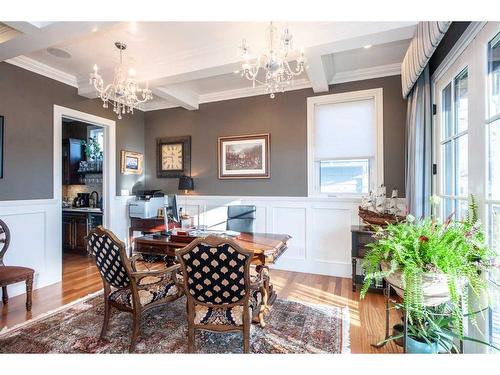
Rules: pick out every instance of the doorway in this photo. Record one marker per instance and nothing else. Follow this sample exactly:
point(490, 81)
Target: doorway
point(84, 180)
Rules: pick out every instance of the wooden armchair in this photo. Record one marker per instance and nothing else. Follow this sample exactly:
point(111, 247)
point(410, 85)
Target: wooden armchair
point(125, 288)
point(221, 295)
point(13, 274)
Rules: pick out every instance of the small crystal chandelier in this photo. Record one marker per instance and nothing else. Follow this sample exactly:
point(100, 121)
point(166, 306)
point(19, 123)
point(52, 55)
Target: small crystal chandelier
point(277, 72)
point(124, 92)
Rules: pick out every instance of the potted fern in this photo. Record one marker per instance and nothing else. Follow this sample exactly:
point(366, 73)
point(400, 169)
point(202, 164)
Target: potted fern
point(430, 263)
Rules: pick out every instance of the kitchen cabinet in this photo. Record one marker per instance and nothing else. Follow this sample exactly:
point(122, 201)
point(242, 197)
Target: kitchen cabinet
point(76, 225)
point(72, 154)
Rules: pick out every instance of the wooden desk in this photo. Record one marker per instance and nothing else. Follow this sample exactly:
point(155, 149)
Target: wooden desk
point(149, 225)
point(267, 248)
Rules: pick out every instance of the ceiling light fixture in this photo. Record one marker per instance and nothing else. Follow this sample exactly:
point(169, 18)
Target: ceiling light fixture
point(124, 92)
point(277, 73)
point(57, 52)
point(367, 46)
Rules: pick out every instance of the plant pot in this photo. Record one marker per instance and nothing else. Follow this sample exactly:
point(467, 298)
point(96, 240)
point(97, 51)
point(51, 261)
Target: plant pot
point(418, 347)
point(434, 286)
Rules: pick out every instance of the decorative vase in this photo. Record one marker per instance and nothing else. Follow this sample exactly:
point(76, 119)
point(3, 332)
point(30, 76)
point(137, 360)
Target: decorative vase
point(434, 286)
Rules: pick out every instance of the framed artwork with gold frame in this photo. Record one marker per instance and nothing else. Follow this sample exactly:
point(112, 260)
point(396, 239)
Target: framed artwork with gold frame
point(173, 156)
point(131, 162)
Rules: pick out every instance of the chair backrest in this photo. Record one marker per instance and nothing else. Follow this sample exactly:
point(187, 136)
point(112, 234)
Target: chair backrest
point(216, 271)
point(241, 218)
point(4, 240)
point(110, 256)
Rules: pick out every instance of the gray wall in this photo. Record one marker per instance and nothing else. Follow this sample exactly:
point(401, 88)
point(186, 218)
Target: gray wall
point(285, 119)
point(26, 102)
point(27, 99)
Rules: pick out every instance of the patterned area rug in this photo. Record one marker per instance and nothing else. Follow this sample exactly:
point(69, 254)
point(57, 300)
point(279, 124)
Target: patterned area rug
point(291, 328)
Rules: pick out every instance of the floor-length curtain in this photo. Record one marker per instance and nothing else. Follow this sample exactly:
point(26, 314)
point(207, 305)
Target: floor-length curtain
point(419, 147)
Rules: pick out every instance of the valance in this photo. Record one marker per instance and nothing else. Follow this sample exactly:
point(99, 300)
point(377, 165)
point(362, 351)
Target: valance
point(422, 46)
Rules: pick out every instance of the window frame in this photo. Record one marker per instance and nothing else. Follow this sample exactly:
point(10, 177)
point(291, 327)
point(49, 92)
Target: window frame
point(470, 50)
point(92, 129)
point(376, 169)
point(463, 63)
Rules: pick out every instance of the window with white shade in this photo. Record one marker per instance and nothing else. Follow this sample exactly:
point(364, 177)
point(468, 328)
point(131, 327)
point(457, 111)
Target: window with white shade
point(344, 132)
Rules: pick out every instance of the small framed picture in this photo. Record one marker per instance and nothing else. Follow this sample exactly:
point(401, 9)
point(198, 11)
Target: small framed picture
point(244, 156)
point(132, 162)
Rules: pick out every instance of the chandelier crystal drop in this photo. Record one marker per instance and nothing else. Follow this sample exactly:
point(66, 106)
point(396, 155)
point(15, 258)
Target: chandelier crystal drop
point(124, 93)
point(277, 74)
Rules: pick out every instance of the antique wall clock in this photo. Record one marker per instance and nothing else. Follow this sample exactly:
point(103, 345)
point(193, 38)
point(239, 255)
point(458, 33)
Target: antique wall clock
point(174, 156)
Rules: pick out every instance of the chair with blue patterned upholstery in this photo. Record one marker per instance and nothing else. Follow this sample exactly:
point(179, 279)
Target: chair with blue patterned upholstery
point(125, 288)
point(221, 294)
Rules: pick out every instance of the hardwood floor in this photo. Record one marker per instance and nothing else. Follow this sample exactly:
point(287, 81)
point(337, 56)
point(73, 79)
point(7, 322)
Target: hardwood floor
point(80, 278)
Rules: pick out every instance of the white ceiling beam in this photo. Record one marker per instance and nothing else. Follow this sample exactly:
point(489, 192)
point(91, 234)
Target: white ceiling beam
point(86, 90)
point(26, 27)
point(35, 39)
point(316, 72)
point(178, 96)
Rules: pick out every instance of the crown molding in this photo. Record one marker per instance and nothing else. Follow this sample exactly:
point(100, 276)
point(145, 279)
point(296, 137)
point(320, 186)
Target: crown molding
point(367, 73)
point(43, 69)
point(245, 92)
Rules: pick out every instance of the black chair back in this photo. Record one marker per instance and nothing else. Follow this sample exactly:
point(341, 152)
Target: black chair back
point(216, 270)
point(241, 218)
point(109, 254)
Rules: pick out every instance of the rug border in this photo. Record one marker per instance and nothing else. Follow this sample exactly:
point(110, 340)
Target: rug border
point(6, 330)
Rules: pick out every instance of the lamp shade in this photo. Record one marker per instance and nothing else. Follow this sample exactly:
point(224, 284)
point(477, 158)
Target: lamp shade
point(186, 183)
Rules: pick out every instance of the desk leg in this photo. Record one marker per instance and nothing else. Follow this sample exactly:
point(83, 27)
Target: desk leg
point(130, 240)
point(269, 293)
point(354, 263)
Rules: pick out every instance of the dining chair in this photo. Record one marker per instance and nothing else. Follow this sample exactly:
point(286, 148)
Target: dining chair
point(125, 288)
point(13, 274)
point(221, 294)
point(241, 218)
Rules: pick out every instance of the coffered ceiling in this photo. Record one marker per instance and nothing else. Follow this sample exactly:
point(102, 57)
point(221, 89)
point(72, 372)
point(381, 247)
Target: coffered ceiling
point(188, 63)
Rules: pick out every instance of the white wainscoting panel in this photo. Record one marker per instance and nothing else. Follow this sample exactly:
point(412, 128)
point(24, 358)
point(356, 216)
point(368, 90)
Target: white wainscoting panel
point(35, 240)
point(331, 235)
point(320, 227)
point(292, 221)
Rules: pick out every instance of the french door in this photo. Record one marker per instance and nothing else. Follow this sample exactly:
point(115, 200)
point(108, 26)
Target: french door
point(467, 144)
point(451, 136)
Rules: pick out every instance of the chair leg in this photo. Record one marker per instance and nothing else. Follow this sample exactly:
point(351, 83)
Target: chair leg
point(246, 337)
point(29, 292)
point(107, 314)
point(5, 296)
point(136, 326)
point(191, 338)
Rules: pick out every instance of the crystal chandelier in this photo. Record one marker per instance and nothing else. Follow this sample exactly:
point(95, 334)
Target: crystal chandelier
point(277, 73)
point(124, 92)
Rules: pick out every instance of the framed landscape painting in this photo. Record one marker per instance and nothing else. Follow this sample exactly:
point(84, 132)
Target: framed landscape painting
point(244, 156)
point(132, 162)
